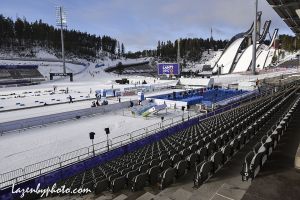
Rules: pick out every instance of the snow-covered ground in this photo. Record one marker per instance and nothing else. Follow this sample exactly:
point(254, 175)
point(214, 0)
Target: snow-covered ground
point(32, 96)
point(288, 56)
point(46, 67)
point(207, 59)
point(35, 98)
point(237, 78)
point(38, 144)
point(19, 149)
point(54, 109)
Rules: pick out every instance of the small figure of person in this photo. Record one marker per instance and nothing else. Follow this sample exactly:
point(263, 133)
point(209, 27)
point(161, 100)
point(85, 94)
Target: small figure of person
point(70, 99)
point(119, 99)
point(67, 90)
point(97, 103)
point(93, 104)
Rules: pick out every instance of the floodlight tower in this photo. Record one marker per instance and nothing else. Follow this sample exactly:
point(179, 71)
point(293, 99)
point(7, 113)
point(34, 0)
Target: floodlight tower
point(254, 39)
point(178, 50)
point(61, 21)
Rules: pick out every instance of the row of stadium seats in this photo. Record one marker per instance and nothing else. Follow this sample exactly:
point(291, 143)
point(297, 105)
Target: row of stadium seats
point(202, 149)
point(207, 168)
point(20, 73)
point(256, 158)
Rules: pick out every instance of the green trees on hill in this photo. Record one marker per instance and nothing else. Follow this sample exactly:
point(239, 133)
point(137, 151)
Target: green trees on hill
point(191, 49)
point(22, 34)
point(289, 43)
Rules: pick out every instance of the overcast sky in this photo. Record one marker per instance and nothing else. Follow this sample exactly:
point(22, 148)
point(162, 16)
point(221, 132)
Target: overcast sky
point(139, 24)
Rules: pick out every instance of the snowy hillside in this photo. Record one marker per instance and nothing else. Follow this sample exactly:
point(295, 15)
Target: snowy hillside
point(48, 63)
point(207, 59)
point(288, 56)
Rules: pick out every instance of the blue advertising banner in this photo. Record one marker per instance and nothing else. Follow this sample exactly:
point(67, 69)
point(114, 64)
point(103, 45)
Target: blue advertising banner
point(168, 68)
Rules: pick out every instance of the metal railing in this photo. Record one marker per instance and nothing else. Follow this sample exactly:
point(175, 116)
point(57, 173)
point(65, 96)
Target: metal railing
point(49, 165)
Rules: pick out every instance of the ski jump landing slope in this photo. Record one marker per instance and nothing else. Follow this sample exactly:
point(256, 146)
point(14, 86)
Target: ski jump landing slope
point(229, 56)
point(261, 59)
point(264, 59)
point(245, 60)
point(227, 59)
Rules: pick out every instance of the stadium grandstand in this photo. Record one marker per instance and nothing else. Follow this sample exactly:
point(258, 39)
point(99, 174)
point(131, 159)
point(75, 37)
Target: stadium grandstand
point(141, 68)
point(230, 136)
point(182, 157)
point(19, 74)
point(289, 11)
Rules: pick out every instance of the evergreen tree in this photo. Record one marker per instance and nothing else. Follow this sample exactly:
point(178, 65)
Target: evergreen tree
point(122, 49)
point(119, 49)
point(20, 33)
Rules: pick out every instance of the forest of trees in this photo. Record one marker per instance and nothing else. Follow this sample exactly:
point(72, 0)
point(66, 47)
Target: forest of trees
point(20, 34)
point(191, 49)
point(289, 43)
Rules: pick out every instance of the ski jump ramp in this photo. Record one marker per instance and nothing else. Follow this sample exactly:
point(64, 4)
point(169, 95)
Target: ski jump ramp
point(229, 56)
point(231, 62)
point(264, 59)
point(245, 60)
point(227, 59)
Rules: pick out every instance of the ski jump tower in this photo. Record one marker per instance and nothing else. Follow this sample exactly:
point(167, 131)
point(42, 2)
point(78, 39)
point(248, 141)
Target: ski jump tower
point(237, 55)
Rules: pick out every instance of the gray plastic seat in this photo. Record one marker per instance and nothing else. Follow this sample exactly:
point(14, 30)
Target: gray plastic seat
point(139, 182)
point(203, 171)
point(154, 162)
point(165, 164)
point(184, 153)
point(143, 168)
point(192, 160)
point(217, 160)
point(175, 158)
point(89, 185)
point(167, 178)
point(226, 150)
point(118, 184)
point(129, 176)
point(153, 173)
point(101, 186)
point(180, 167)
point(202, 154)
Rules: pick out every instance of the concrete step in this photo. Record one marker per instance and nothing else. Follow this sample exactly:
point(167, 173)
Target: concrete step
point(146, 196)
point(121, 197)
point(174, 193)
point(105, 196)
point(181, 194)
point(227, 191)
